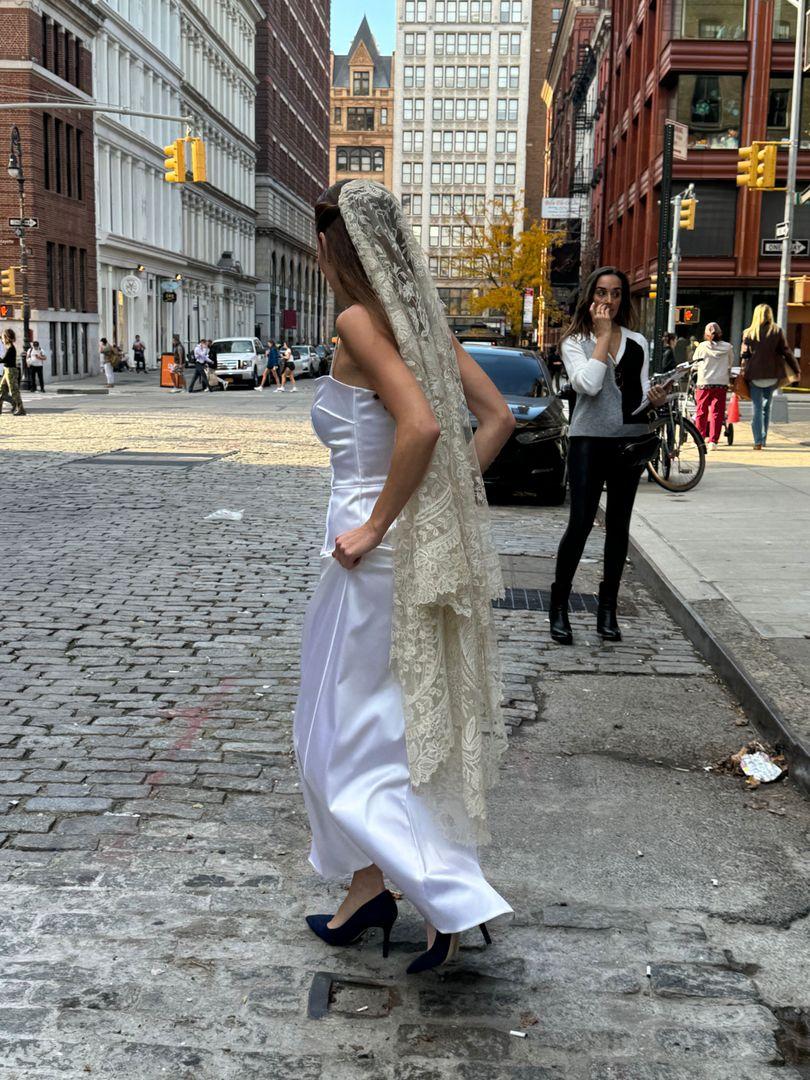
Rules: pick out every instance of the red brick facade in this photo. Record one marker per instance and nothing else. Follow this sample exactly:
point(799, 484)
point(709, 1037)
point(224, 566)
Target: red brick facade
point(292, 106)
point(57, 149)
point(540, 44)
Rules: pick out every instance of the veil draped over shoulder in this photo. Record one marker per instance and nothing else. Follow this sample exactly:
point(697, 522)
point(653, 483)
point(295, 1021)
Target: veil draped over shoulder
point(446, 570)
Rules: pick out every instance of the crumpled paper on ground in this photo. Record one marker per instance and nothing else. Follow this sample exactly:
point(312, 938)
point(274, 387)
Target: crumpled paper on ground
point(756, 763)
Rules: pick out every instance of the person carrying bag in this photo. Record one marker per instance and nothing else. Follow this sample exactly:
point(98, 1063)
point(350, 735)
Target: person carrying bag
point(767, 363)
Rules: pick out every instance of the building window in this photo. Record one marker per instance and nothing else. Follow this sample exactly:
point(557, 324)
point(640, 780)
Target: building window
point(415, 10)
point(46, 150)
point(50, 272)
point(83, 281)
point(361, 83)
point(57, 140)
point(73, 292)
point(69, 160)
point(69, 54)
point(712, 20)
point(79, 164)
point(62, 276)
point(780, 95)
point(710, 105)
point(414, 77)
point(360, 119)
point(556, 13)
point(45, 42)
point(77, 48)
point(360, 159)
point(413, 142)
point(718, 213)
point(415, 44)
point(338, 117)
point(413, 109)
point(56, 34)
point(383, 117)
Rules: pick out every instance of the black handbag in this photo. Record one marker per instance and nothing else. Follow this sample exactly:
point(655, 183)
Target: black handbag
point(636, 453)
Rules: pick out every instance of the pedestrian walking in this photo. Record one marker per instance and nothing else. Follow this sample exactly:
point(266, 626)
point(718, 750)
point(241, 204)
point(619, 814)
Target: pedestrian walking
point(139, 354)
point(398, 729)
point(555, 367)
point(10, 381)
point(178, 365)
point(214, 381)
point(107, 354)
point(714, 359)
point(668, 361)
point(273, 362)
point(36, 368)
point(200, 366)
point(765, 362)
point(287, 368)
point(609, 440)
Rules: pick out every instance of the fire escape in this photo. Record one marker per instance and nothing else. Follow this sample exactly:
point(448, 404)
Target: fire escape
point(582, 172)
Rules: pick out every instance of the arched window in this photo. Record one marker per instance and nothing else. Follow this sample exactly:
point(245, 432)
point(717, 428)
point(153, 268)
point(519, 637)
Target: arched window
point(360, 159)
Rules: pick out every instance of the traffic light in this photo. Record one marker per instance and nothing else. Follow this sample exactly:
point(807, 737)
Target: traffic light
point(688, 315)
point(765, 165)
point(688, 207)
point(653, 286)
point(8, 284)
point(6, 311)
point(746, 165)
point(198, 160)
point(175, 161)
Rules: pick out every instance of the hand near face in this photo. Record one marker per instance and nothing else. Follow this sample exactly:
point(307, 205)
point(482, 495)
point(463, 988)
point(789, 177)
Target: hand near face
point(602, 321)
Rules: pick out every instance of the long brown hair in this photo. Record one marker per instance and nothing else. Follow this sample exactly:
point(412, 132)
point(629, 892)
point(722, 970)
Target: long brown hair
point(343, 257)
point(581, 322)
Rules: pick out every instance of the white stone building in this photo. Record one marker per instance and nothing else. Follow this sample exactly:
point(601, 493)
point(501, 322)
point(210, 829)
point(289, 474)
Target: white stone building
point(187, 58)
point(461, 106)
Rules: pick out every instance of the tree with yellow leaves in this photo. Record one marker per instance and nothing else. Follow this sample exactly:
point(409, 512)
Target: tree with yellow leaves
point(505, 259)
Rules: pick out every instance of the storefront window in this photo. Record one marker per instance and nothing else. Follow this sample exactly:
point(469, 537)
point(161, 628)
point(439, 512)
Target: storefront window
point(715, 19)
point(784, 21)
point(780, 96)
point(710, 105)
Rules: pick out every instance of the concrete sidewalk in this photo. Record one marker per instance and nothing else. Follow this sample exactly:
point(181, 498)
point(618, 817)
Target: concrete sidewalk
point(729, 559)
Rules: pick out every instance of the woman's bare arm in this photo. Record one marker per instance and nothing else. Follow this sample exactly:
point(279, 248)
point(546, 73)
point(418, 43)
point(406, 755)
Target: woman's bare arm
point(373, 353)
point(495, 421)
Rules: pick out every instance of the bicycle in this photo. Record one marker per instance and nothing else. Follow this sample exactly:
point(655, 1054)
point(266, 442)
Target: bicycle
point(680, 460)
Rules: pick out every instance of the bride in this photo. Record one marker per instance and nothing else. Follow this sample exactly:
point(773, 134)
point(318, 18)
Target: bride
point(398, 730)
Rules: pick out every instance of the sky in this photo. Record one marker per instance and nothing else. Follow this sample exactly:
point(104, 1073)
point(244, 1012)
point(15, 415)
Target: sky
point(347, 16)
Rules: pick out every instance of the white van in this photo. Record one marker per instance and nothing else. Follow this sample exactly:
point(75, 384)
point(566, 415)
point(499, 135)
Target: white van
point(239, 359)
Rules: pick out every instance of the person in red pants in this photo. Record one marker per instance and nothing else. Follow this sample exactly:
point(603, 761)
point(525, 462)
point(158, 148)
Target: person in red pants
point(714, 359)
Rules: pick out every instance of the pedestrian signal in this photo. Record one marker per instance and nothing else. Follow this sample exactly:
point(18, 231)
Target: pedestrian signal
point(175, 161)
point(745, 165)
point(765, 166)
point(8, 284)
point(6, 311)
point(198, 172)
point(688, 315)
point(688, 207)
point(653, 286)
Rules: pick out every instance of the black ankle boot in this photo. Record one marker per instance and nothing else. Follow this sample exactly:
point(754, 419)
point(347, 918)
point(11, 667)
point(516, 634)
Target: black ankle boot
point(558, 615)
point(607, 626)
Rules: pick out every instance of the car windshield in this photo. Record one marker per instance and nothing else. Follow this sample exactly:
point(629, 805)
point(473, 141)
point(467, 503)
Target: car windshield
point(514, 373)
point(300, 350)
point(237, 345)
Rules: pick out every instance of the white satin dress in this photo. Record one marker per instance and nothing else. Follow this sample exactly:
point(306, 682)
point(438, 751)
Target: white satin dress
point(349, 727)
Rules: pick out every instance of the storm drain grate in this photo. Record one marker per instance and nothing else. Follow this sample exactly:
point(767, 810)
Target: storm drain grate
point(135, 457)
point(540, 600)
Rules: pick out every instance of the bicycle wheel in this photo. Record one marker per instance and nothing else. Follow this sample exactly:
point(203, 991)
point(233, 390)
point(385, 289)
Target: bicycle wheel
point(681, 461)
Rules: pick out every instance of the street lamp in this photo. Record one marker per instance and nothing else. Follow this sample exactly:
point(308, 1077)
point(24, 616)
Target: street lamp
point(15, 171)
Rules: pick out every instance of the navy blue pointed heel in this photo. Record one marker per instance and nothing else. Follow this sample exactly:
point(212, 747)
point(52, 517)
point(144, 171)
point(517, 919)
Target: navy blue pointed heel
point(381, 912)
point(483, 928)
point(443, 949)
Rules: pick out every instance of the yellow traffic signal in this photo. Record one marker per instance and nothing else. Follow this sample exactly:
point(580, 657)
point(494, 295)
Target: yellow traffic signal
point(746, 166)
point(198, 160)
point(8, 284)
point(765, 165)
point(653, 286)
point(688, 207)
point(175, 161)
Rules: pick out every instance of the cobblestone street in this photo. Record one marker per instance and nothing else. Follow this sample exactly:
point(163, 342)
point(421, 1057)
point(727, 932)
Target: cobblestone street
point(153, 841)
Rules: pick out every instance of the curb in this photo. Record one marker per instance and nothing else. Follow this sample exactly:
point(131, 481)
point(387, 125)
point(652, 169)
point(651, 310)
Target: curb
point(767, 717)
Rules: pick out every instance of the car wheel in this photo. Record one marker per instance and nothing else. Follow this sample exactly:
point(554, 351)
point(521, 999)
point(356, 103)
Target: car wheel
point(255, 377)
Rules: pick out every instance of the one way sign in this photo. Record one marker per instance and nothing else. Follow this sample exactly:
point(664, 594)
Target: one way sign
point(774, 247)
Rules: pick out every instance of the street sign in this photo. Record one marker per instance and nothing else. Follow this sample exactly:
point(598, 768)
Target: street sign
point(561, 209)
point(680, 145)
point(773, 248)
point(6, 311)
point(528, 306)
point(804, 197)
point(781, 230)
point(168, 296)
point(23, 223)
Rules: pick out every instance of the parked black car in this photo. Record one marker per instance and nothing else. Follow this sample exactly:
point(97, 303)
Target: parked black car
point(534, 458)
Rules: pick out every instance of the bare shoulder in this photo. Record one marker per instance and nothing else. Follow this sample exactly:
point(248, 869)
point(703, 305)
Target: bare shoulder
point(355, 320)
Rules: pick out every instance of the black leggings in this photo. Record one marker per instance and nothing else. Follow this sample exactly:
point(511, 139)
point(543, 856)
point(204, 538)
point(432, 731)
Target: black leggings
point(591, 463)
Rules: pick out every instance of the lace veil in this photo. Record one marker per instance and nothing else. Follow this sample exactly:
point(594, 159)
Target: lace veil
point(446, 570)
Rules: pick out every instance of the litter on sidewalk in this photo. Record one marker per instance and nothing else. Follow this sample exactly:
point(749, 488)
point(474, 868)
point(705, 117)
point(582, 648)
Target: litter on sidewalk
point(224, 515)
point(756, 763)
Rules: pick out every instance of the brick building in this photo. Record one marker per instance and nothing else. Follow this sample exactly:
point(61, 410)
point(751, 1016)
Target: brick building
point(292, 132)
point(361, 141)
point(723, 69)
point(44, 49)
point(545, 20)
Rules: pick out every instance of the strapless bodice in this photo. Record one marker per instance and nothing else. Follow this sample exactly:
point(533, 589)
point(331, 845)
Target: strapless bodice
point(355, 426)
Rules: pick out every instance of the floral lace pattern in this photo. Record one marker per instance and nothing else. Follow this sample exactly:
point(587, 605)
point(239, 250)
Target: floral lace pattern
point(446, 570)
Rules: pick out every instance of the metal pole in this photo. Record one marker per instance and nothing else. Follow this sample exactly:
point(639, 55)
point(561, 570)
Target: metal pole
point(675, 262)
point(78, 106)
point(664, 219)
point(793, 159)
